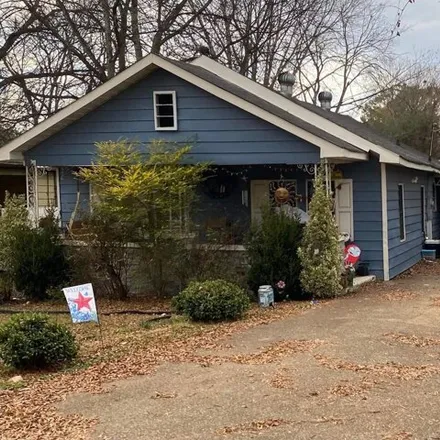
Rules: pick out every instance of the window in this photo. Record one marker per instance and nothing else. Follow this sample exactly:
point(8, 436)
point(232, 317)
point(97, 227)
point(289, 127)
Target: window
point(402, 225)
point(436, 194)
point(165, 111)
point(423, 208)
point(47, 190)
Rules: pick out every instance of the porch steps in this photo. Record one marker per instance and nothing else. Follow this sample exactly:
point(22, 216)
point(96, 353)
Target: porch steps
point(358, 281)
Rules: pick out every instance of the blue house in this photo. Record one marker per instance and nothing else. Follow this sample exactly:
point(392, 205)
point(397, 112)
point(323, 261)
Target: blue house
point(386, 195)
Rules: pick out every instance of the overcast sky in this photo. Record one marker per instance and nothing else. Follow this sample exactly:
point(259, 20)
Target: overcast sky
point(422, 20)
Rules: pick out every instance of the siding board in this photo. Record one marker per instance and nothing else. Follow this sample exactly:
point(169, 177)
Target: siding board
point(404, 254)
point(367, 207)
point(219, 132)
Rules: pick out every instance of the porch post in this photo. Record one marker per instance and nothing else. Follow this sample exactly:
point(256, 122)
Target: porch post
point(32, 190)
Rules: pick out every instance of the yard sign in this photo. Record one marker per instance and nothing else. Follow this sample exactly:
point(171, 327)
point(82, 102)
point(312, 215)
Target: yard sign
point(82, 305)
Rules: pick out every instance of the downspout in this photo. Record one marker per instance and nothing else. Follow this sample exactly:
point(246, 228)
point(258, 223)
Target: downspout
point(385, 252)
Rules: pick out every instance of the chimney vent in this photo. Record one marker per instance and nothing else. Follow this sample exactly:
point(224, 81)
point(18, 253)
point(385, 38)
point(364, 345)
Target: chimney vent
point(325, 98)
point(287, 81)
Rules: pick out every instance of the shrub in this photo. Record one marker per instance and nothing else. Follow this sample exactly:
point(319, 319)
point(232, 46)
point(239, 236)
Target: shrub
point(272, 249)
point(30, 341)
point(106, 258)
point(216, 300)
point(38, 261)
point(320, 251)
point(14, 218)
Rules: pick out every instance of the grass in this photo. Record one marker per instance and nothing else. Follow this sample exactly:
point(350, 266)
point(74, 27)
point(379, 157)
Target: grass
point(5, 385)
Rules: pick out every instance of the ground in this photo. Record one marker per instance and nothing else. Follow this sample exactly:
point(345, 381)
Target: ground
point(366, 366)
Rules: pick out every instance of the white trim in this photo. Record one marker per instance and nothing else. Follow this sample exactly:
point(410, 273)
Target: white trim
point(402, 185)
point(174, 104)
point(408, 164)
point(384, 194)
point(57, 189)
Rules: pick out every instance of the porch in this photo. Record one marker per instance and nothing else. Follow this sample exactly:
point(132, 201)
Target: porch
point(230, 198)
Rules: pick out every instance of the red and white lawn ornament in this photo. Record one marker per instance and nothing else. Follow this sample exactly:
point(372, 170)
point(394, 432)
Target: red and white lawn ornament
point(352, 253)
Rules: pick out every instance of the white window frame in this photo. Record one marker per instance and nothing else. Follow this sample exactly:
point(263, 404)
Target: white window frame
point(403, 211)
point(156, 116)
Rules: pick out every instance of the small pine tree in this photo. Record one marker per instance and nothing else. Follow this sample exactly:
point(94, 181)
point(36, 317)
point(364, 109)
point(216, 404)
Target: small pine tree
point(320, 252)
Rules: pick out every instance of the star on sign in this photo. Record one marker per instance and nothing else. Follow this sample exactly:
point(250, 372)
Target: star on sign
point(82, 302)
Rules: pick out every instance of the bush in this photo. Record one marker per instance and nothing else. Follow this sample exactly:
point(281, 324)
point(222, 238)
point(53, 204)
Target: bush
point(38, 261)
point(216, 300)
point(14, 218)
point(272, 249)
point(30, 341)
point(106, 259)
point(320, 251)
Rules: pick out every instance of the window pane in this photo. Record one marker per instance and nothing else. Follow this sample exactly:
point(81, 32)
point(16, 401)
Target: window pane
point(47, 192)
point(166, 110)
point(401, 213)
point(165, 121)
point(164, 99)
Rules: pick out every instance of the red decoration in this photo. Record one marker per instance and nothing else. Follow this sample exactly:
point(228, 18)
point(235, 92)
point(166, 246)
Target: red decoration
point(352, 254)
point(82, 302)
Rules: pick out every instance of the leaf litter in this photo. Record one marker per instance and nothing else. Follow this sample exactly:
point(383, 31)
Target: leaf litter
point(416, 341)
point(127, 350)
point(391, 370)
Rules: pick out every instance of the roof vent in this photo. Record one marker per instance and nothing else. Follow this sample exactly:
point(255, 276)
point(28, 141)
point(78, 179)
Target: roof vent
point(287, 81)
point(204, 50)
point(325, 98)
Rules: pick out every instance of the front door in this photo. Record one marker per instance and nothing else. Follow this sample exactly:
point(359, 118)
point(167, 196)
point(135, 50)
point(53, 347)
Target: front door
point(259, 197)
point(344, 206)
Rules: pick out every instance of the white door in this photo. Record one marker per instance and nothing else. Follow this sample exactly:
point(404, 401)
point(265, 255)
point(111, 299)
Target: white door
point(259, 197)
point(344, 206)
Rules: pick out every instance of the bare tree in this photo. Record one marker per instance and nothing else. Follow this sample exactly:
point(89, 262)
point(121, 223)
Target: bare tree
point(53, 51)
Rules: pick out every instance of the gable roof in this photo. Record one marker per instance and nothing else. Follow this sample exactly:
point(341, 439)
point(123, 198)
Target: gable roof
point(364, 130)
point(337, 136)
point(375, 142)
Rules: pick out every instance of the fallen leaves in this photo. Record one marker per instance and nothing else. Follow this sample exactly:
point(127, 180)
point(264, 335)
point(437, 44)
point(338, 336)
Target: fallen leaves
point(128, 350)
point(396, 294)
point(276, 351)
point(254, 426)
point(392, 370)
point(283, 379)
point(403, 435)
point(416, 341)
point(353, 389)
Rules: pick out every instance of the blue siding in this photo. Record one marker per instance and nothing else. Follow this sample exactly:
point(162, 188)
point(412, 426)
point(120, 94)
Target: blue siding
point(219, 132)
point(367, 211)
point(69, 188)
point(404, 254)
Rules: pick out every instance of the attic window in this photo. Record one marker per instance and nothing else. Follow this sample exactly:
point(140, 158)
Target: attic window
point(165, 111)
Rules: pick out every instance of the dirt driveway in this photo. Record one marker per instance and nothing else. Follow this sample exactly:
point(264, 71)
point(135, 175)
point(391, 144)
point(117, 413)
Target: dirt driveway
point(361, 367)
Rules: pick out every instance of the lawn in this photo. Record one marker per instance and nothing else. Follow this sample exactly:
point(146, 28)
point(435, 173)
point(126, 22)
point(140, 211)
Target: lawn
point(131, 344)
